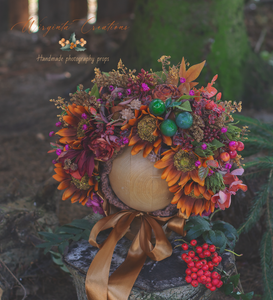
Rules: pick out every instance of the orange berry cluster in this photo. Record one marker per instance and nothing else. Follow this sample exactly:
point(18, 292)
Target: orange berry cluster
point(201, 261)
point(64, 42)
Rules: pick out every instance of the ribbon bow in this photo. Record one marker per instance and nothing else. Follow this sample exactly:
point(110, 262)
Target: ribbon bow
point(98, 285)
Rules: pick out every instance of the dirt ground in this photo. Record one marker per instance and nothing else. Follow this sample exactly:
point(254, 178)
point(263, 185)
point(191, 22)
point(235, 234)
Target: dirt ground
point(27, 117)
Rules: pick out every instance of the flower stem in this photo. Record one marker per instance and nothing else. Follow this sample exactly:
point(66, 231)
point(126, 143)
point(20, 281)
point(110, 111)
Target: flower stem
point(216, 211)
point(231, 252)
point(182, 241)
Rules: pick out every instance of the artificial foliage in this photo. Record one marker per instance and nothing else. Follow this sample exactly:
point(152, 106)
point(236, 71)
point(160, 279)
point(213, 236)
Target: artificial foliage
point(187, 131)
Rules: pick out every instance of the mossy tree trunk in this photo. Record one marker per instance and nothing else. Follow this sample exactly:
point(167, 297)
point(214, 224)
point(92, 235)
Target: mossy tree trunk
point(213, 30)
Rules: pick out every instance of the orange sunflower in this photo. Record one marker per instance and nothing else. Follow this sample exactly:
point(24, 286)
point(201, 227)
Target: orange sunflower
point(80, 188)
point(77, 117)
point(145, 132)
point(181, 173)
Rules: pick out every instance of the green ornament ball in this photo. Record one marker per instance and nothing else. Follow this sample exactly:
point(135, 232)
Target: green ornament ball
point(168, 128)
point(184, 120)
point(157, 107)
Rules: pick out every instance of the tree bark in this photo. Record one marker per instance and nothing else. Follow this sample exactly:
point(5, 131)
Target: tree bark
point(78, 9)
point(213, 30)
point(54, 12)
point(17, 13)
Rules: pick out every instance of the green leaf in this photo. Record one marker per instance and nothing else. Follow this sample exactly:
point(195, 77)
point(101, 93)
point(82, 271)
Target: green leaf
point(203, 172)
point(247, 296)
point(226, 228)
point(95, 91)
point(66, 48)
point(86, 234)
point(51, 236)
point(227, 288)
point(62, 246)
point(80, 48)
point(68, 229)
point(218, 238)
point(196, 231)
point(106, 74)
point(77, 236)
point(45, 245)
point(168, 102)
point(235, 279)
point(161, 76)
point(87, 90)
point(186, 106)
point(187, 97)
point(72, 38)
point(217, 143)
point(83, 224)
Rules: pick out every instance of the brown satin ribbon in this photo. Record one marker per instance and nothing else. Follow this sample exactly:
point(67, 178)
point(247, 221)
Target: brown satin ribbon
point(98, 285)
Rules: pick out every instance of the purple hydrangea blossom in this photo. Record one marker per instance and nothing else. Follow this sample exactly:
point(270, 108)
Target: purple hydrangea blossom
point(96, 204)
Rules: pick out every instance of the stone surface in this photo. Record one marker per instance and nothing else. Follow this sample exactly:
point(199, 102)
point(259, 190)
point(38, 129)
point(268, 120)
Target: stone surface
point(157, 280)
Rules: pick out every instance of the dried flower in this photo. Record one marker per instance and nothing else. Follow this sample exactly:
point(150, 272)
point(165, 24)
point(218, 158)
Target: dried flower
point(165, 91)
point(96, 204)
point(127, 114)
point(135, 104)
point(145, 87)
point(51, 133)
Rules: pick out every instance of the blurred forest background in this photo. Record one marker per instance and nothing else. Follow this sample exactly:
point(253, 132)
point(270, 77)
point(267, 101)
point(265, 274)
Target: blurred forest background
point(236, 39)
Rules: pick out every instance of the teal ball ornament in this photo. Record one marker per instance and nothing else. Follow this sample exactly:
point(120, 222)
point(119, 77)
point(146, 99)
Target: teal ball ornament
point(184, 120)
point(157, 107)
point(168, 128)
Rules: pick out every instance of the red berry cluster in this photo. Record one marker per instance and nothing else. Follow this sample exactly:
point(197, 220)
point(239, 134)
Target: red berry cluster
point(201, 261)
point(232, 153)
point(110, 130)
point(183, 141)
point(211, 134)
point(142, 77)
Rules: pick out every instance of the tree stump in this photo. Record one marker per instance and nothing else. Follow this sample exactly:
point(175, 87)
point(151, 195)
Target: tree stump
point(157, 280)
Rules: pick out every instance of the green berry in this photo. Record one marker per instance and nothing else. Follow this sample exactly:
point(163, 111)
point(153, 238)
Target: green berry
point(168, 127)
point(184, 120)
point(157, 107)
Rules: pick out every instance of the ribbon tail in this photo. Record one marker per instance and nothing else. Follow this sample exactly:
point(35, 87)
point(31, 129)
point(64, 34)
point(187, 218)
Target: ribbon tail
point(122, 280)
point(177, 224)
point(96, 282)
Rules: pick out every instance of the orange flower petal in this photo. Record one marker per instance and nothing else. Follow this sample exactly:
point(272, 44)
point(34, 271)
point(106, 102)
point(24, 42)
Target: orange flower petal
point(174, 180)
point(198, 207)
point(175, 188)
point(162, 164)
point(156, 149)
point(167, 140)
point(207, 195)
point(67, 132)
point(196, 190)
point(166, 172)
point(134, 140)
point(173, 172)
point(177, 197)
point(64, 184)
point(132, 122)
point(188, 188)
point(70, 120)
point(149, 147)
point(194, 176)
point(66, 139)
point(58, 177)
point(76, 197)
point(69, 192)
point(185, 177)
point(138, 147)
point(168, 156)
point(157, 142)
point(201, 188)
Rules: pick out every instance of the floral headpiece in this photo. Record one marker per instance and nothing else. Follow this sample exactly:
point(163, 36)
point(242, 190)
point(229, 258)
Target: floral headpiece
point(187, 132)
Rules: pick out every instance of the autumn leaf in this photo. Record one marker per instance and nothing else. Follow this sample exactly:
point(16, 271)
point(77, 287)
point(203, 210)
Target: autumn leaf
point(182, 71)
point(194, 71)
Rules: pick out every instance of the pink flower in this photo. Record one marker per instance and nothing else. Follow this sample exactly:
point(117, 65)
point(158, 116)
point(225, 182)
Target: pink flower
point(182, 79)
point(191, 93)
point(96, 203)
point(223, 198)
point(224, 129)
point(145, 87)
point(204, 146)
point(102, 149)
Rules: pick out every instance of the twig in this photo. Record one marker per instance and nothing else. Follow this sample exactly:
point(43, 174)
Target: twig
point(260, 40)
point(25, 293)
